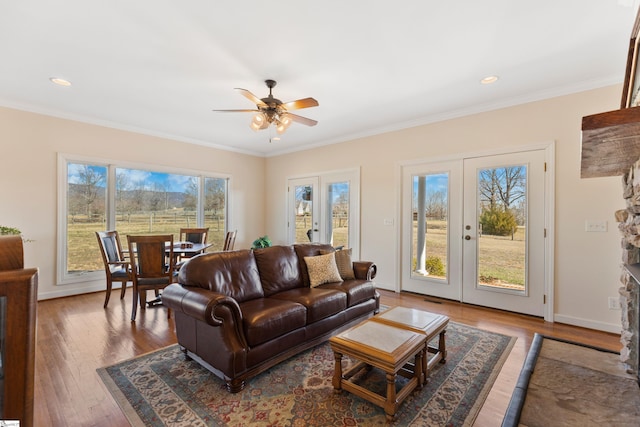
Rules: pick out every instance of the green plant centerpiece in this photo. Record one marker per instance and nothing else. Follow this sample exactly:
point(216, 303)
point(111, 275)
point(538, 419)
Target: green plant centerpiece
point(261, 242)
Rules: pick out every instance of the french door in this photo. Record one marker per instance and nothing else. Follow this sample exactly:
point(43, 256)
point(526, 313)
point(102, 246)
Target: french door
point(325, 209)
point(303, 210)
point(474, 230)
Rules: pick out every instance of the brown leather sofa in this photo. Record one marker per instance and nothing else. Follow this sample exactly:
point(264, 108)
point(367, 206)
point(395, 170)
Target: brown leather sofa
point(239, 313)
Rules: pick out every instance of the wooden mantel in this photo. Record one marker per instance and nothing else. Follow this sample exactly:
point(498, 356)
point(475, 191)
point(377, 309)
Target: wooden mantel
point(610, 142)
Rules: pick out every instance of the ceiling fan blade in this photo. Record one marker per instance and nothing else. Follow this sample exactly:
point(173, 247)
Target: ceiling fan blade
point(303, 120)
point(301, 103)
point(251, 97)
point(235, 111)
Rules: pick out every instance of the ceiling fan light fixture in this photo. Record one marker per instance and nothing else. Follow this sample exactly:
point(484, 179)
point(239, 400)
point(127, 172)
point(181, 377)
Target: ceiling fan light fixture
point(270, 110)
point(282, 124)
point(258, 122)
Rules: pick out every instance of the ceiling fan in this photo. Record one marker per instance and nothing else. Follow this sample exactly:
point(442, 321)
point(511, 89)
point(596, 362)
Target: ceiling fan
point(271, 110)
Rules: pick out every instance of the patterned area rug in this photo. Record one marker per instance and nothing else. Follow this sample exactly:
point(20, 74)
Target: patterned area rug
point(163, 389)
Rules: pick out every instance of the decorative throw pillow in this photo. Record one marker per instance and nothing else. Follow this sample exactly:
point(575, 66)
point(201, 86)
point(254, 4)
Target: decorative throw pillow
point(322, 269)
point(343, 261)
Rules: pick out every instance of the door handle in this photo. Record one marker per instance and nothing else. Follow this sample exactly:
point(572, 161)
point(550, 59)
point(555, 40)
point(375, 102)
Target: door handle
point(467, 237)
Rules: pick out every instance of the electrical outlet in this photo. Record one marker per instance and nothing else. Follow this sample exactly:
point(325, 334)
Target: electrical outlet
point(595, 226)
point(614, 303)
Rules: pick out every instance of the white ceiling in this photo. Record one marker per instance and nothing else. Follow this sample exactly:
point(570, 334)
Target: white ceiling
point(160, 66)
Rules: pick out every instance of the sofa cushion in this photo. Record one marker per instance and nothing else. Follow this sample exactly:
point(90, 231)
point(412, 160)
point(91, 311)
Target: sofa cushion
point(233, 273)
point(357, 290)
point(320, 303)
point(344, 263)
point(266, 318)
point(322, 269)
point(309, 249)
point(279, 269)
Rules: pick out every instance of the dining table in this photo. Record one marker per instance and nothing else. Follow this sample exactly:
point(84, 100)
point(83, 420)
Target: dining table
point(184, 248)
point(189, 249)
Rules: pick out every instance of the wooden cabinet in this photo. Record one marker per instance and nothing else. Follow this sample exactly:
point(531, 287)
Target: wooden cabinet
point(18, 305)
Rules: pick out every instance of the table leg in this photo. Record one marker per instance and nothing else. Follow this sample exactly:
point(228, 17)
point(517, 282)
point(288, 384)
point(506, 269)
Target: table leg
point(337, 372)
point(391, 404)
point(442, 346)
point(419, 373)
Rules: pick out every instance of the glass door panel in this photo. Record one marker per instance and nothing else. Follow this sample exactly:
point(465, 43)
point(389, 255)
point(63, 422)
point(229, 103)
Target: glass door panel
point(502, 213)
point(325, 209)
point(303, 206)
point(337, 228)
point(483, 219)
point(431, 218)
point(504, 232)
point(430, 225)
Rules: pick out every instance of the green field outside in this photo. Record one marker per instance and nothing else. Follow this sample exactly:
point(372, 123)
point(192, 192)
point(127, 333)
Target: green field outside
point(501, 259)
point(340, 230)
point(84, 253)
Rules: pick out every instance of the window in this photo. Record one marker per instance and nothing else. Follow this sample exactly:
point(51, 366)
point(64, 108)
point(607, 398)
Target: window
point(100, 196)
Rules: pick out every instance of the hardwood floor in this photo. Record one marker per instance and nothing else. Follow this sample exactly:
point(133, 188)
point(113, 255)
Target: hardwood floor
point(76, 336)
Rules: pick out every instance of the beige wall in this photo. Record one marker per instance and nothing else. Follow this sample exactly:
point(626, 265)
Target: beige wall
point(30, 144)
point(586, 264)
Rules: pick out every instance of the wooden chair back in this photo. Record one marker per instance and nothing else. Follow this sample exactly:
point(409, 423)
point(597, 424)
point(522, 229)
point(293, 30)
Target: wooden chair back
point(110, 248)
point(194, 235)
point(152, 265)
point(11, 253)
point(229, 240)
point(151, 258)
point(116, 266)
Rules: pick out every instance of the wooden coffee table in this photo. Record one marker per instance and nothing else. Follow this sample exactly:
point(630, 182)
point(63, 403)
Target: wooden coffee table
point(385, 347)
point(424, 322)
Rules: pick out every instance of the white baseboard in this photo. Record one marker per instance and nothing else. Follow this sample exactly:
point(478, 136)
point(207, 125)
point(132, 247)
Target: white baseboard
point(68, 291)
point(391, 288)
point(587, 323)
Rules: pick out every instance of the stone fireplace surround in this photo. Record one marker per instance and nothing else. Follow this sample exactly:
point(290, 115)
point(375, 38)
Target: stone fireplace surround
point(629, 226)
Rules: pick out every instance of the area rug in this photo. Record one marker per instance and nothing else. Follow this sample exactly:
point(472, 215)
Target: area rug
point(564, 383)
point(163, 389)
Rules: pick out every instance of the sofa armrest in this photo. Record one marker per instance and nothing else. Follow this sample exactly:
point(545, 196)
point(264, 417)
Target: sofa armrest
point(364, 270)
point(210, 307)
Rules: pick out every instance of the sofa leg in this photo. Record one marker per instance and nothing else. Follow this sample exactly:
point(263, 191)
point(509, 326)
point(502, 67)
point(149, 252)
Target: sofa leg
point(234, 386)
point(186, 354)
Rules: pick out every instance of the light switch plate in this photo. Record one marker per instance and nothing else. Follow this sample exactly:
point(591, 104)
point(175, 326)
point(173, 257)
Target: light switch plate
point(614, 303)
point(592, 226)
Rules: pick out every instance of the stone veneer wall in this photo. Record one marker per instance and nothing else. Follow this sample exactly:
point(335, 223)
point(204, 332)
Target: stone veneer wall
point(629, 226)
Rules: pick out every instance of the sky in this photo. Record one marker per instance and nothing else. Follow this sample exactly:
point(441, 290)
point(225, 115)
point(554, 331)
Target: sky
point(172, 182)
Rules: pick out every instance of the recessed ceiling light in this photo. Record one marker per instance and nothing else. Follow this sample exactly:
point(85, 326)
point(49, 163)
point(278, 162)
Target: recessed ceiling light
point(59, 81)
point(489, 79)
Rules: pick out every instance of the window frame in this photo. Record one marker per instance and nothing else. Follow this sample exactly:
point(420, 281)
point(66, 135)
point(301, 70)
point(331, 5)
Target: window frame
point(64, 277)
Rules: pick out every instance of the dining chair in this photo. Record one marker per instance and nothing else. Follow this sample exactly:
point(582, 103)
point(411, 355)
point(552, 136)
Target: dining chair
point(193, 235)
point(116, 266)
point(229, 240)
point(152, 266)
